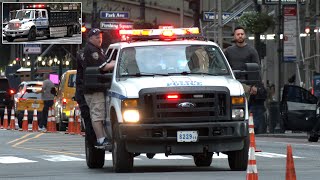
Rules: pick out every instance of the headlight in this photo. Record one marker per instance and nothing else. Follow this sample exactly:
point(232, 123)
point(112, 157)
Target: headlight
point(131, 115)
point(237, 113)
point(25, 26)
point(129, 110)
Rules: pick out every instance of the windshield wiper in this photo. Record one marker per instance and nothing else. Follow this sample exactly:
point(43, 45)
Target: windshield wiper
point(188, 72)
point(140, 74)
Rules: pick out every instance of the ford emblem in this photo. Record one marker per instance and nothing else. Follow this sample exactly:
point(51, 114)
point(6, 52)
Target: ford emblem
point(186, 105)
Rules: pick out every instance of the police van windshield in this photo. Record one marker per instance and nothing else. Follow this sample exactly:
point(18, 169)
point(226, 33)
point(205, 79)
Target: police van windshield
point(24, 14)
point(172, 60)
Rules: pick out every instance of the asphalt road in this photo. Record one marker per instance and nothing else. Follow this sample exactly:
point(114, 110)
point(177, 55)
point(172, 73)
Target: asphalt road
point(75, 39)
point(25, 155)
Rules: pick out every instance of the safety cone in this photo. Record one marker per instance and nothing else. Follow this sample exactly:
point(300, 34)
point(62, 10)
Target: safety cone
point(5, 119)
point(35, 121)
point(25, 121)
point(251, 132)
point(12, 120)
point(49, 122)
point(77, 121)
point(53, 121)
point(290, 170)
point(71, 123)
point(252, 171)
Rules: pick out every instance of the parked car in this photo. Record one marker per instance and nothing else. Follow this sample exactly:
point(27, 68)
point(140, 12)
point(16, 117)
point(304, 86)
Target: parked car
point(299, 111)
point(6, 97)
point(29, 100)
point(64, 101)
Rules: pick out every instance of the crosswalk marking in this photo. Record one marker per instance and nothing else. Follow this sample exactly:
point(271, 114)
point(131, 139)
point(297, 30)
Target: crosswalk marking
point(10, 159)
point(14, 160)
point(162, 156)
point(60, 158)
point(108, 157)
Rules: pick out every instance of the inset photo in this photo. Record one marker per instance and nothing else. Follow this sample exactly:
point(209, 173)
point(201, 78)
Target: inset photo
point(41, 23)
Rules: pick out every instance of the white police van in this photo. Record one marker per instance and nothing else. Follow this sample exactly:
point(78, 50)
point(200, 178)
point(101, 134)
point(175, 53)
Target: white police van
point(172, 93)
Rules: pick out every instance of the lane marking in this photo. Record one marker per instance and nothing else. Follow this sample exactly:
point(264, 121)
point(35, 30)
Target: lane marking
point(49, 151)
point(14, 160)
point(274, 155)
point(25, 140)
point(60, 158)
point(19, 138)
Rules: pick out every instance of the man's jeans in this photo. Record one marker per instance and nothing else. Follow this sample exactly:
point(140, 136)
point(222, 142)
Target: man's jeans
point(258, 112)
point(47, 104)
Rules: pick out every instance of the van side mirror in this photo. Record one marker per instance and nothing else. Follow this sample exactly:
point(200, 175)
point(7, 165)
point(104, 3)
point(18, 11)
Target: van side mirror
point(250, 75)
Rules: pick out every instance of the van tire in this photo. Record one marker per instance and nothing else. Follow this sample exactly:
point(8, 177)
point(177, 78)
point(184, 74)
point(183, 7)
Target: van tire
point(69, 31)
point(32, 36)
point(122, 160)
point(238, 160)
point(313, 137)
point(202, 160)
point(94, 157)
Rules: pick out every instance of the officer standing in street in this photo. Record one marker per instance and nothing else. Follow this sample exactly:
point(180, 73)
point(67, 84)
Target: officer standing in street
point(94, 57)
point(238, 55)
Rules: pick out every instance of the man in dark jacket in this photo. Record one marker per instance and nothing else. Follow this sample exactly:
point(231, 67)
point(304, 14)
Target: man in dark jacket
point(94, 57)
point(79, 96)
point(238, 55)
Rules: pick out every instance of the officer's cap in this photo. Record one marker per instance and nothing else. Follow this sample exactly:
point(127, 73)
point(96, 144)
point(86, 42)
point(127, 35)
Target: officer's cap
point(94, 31)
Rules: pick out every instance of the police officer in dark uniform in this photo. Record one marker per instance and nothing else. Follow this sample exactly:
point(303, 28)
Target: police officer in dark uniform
point(93, 56)
point(79, 96)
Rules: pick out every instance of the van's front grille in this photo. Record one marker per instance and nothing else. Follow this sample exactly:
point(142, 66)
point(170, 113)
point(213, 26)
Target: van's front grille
point(201, 104)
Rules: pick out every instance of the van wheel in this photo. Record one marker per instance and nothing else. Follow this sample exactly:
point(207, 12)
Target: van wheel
point(69, 31)
point(202, 160)
point(238, 160)
point(94, 157)
point(313, 137)
point(62, 126)
point(32, 34)
point(121, 158)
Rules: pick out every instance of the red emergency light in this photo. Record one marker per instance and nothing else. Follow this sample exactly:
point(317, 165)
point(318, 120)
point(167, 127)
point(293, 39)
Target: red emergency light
point(172, 96)
point(36, 6)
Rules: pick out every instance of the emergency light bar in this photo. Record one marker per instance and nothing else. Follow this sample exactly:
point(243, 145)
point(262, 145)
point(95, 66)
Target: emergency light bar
point(36, 6)
point(167, 34)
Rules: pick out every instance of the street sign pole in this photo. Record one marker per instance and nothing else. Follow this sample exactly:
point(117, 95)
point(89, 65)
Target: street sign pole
point(32, 60)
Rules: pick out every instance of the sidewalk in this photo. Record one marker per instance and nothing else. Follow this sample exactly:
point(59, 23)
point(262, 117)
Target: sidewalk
point(287, 134)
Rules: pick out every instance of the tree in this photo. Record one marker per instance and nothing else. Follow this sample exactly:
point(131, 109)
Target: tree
point(256, 23)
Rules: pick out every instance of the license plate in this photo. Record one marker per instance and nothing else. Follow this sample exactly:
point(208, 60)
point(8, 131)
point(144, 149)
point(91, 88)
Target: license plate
point(13, 35)
point(187, 136)
point(35, 106)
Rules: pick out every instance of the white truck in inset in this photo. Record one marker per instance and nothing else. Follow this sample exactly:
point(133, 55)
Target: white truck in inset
point(40, 21)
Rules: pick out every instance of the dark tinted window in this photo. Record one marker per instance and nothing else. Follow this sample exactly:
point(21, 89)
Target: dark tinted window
point(4, 84)
point(108, 53)
point(72, 80)
point(114, 54)
point(29, 94)
point(298, 94)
